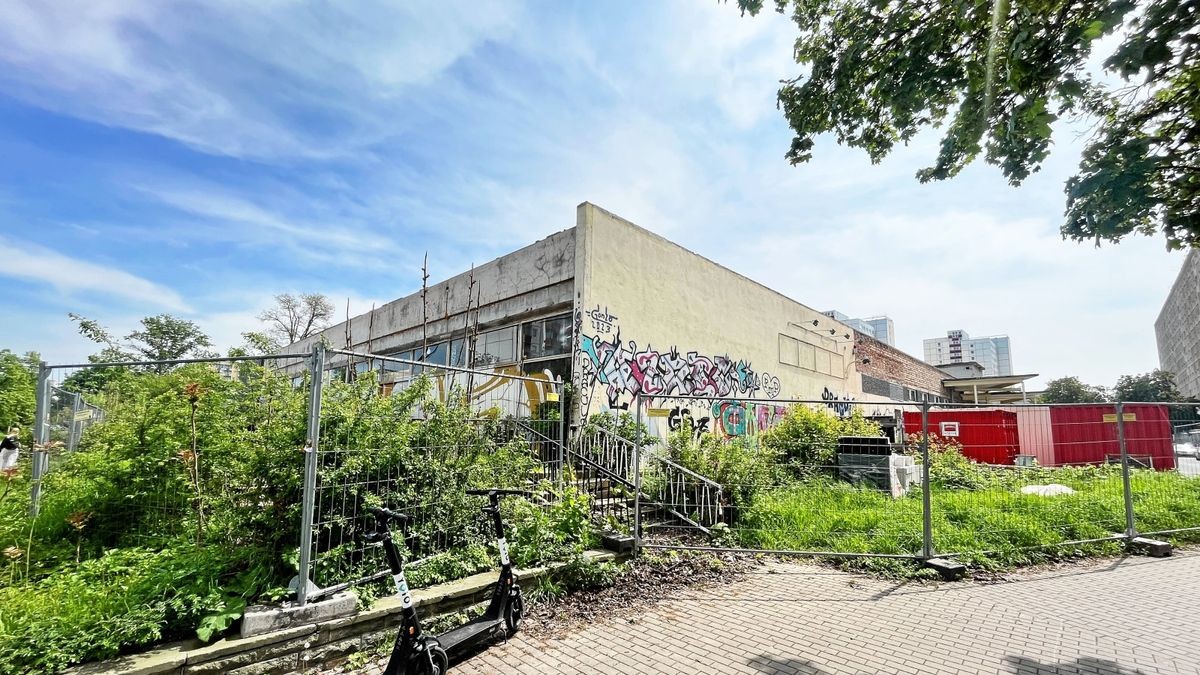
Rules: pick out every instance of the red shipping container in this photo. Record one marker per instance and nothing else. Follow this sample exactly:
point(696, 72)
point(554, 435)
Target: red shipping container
point(1084, 435)
point(988, 436)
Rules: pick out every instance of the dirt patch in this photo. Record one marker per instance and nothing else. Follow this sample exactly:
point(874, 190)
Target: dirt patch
point(645, 582)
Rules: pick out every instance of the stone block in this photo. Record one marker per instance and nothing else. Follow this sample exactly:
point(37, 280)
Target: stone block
point(951, 570)
point(234, 652)
point(1153, 547)
point(167, 659)
point(276, 666)
point(259, 620)
point(326, 654)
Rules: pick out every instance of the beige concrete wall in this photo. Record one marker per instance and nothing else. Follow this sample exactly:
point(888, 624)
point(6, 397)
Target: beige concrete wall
point(655, 318)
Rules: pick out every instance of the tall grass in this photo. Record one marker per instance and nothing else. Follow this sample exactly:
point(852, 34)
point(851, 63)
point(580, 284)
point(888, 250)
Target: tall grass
point(992, 527)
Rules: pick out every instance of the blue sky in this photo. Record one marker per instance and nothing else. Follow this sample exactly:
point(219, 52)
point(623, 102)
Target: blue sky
point(196, 158)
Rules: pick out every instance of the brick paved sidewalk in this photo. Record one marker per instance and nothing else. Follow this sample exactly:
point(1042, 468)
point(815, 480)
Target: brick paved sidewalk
point(1119, 617)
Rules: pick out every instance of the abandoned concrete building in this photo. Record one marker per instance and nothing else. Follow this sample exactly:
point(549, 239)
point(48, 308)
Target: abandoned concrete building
point(598, 305)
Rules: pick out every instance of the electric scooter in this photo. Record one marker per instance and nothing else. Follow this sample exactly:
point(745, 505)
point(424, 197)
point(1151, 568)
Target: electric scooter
point(416, 653)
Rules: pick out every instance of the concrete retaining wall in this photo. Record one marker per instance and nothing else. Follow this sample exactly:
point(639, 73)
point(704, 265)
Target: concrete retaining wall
point(312, 646)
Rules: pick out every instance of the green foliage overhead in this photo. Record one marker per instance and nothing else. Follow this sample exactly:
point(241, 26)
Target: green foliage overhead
point(1158, 385)
point(18, 377)
point(1072, 390)
point(995, 76)
point(159, 338)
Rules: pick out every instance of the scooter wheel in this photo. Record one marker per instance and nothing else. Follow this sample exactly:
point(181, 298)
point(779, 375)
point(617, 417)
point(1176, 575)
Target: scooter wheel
point(437, 664)
point(515, 612)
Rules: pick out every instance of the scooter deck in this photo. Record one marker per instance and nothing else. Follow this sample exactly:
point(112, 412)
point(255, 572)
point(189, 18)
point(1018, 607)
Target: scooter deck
point(470, 634)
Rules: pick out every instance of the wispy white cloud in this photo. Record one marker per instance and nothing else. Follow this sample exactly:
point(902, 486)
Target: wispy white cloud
point(377, 131)
point(269, 79)
point(74, 276)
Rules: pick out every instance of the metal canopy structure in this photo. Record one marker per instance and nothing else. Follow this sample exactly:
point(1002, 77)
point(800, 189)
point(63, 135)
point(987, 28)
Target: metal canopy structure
point(999, 389)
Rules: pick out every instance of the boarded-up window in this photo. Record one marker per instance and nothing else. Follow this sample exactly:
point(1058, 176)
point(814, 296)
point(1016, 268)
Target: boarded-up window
point(808, 356)
point(823, 362)
point(789, 350)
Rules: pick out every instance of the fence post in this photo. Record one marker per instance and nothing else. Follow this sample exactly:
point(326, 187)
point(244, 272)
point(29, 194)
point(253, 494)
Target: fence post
point(1130, 530)
point(316, 373)
point(41, 435)
point(926, 488)
point(637, 478)
point(562, 432)
point(76, 424)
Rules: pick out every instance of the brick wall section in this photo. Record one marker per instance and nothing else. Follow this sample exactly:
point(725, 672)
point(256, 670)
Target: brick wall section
point(891, 364)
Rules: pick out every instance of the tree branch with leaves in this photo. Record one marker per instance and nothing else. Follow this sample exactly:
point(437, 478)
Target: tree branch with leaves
point(996, 76)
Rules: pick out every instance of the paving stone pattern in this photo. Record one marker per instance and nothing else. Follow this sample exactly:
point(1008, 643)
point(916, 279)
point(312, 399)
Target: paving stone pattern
point(1116, 617)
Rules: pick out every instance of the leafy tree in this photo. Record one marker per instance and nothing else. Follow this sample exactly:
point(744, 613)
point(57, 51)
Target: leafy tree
point(1158, 385)
point(297, 317)
point(96, 379)
point(1072, 390)
point(18, 377)
point(255, 344)
point(996, 75)
point(160, 338)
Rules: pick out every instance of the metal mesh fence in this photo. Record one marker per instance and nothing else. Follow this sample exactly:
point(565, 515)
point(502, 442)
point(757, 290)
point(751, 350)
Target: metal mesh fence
point(380, 445)
point(1006, 484)
point(781, 475)
point(234, 453)
point(154, 454)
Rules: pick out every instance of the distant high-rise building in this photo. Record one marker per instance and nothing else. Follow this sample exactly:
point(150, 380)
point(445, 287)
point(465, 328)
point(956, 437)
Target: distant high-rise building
point(879, 327)
point(1177, 328)
point(994, 352)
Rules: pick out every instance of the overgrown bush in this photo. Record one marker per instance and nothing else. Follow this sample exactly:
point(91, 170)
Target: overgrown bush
point(540, 533)
point(125, 598)
point(741, 465)
point(622, 424)
point(807, 438)
point(184, 505)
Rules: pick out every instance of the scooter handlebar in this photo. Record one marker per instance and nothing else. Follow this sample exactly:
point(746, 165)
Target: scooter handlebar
point(388, 514)
point(488, 492)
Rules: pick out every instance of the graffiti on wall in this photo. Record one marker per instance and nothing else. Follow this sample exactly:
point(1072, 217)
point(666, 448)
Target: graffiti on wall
point(682, 419)
point(602, 320)
point(626, 370)
point(840, 406)
point(725, 418)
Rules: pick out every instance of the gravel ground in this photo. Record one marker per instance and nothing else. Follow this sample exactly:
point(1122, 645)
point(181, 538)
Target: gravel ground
point(644, 583)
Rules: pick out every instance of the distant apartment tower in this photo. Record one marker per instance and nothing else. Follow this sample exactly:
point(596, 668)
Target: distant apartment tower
point(1177, 328)
point(879, 327)
point(994, 352)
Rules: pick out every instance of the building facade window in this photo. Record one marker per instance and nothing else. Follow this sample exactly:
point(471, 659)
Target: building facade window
point(546, 337)
point(556, 369)
point(496, 347)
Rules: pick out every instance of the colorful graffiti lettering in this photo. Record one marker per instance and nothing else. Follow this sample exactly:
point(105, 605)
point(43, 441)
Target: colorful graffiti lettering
point(729, 418)
point(736, 418)
point(626, 370)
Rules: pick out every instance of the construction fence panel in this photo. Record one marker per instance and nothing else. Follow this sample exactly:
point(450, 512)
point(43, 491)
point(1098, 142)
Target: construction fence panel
point(414, 438)
point(152, 455)
point(1165, 488)
point(827, 476)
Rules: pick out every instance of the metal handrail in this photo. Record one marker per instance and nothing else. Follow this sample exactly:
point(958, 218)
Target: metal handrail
point(693, 474)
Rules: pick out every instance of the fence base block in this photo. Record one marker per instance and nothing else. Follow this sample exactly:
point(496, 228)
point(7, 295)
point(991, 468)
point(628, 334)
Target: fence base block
point(617, 543)
point(1153, 547)
point(949, 569)
point(259, 620)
